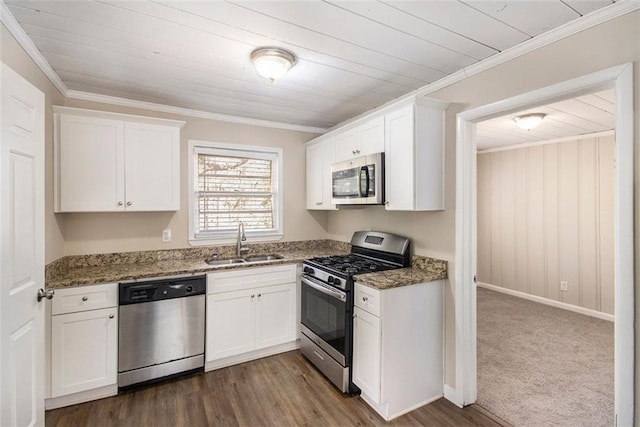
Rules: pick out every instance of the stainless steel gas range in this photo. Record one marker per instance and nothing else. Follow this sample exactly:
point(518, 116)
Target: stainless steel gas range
point(327, 300)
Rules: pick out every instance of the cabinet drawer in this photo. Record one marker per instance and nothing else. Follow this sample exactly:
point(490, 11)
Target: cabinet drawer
point(83, 298)
point(367, 299)
point(246, 278)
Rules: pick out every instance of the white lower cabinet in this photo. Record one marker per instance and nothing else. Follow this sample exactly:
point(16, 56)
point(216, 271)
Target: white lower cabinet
point(250, 313)
point(398, 346)
point(84, 344)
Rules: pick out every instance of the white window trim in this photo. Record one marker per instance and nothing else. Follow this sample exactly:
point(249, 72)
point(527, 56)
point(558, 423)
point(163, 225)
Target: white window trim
point(198, 146)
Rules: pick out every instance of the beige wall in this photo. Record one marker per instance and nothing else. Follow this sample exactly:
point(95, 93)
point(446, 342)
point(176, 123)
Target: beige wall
point(12, 54)
point(545, 215)
point(606, 45)
point(86, 233)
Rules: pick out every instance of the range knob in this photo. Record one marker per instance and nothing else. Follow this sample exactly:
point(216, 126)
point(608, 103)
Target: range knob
point(336, 281)
point(330, 279)
point(189, 288)
point(308, 270)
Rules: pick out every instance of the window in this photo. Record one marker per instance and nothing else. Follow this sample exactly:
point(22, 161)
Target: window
point(233, 183)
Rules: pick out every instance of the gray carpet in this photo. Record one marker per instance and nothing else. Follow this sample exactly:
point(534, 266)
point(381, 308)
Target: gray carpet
point(543, 366)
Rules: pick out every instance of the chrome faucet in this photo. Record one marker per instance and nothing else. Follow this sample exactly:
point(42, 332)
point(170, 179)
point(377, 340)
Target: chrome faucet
point(241, 238)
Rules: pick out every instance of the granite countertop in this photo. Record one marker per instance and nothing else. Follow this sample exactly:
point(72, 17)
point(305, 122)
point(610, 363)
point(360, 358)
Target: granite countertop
point(110, 268)
point(423, 269)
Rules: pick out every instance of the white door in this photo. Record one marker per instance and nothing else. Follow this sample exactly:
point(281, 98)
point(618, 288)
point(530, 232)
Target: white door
point(21, 252)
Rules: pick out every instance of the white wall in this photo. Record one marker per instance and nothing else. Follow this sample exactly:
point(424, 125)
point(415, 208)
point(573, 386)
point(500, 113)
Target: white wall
point(545, 215)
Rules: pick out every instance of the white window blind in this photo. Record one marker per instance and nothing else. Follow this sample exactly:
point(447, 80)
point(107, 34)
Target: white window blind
point(233, 185)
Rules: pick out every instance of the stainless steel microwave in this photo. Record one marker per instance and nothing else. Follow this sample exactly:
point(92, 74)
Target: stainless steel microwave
point(358, 181)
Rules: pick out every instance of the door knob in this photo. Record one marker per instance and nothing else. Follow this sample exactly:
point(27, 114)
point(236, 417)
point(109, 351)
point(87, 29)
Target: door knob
point(48, 294)
point(128, 203)
point(119, 203)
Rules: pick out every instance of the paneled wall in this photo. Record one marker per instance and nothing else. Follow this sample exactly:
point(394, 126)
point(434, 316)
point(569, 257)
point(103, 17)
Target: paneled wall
point(545, 215)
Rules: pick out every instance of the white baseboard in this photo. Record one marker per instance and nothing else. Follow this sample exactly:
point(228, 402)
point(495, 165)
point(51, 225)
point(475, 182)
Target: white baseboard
point(451, 395)
point(550, 302)
point(252, 355)
point(81, 397)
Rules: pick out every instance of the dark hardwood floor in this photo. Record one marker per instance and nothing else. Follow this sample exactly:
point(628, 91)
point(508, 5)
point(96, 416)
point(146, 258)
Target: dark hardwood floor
point(282, 390)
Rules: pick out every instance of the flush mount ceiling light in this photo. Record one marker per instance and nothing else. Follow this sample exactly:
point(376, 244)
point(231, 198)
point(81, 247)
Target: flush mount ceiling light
point(272, 62)
point(529, 121)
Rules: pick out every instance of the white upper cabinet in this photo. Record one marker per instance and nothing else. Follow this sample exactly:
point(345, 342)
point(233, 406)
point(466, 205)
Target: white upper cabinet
point(363, 140)
point(108, 162)
point(414, 156)
point(320, 157)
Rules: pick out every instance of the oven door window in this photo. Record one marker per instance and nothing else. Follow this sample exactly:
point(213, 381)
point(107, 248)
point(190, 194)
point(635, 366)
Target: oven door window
point(325, 316)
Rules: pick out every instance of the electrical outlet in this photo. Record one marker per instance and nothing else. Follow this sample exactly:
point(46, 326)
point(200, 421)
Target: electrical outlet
point(564, 285)
point(166, 235)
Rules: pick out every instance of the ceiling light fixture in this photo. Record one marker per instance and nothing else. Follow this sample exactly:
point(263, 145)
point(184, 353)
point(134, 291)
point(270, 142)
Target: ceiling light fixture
point(272, 62)
point(529, 121)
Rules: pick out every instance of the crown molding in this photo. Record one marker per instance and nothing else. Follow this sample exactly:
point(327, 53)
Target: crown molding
point(125, 102)
point(21, 36)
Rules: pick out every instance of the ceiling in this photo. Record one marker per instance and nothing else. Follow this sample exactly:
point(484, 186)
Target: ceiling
point(353, 55)
point(582, 115)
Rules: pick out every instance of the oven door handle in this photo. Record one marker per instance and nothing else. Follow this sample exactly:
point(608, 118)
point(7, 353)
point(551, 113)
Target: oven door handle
point(325, 289)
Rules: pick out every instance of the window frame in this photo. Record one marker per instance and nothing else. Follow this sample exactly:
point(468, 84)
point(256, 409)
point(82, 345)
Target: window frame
point(275, 154)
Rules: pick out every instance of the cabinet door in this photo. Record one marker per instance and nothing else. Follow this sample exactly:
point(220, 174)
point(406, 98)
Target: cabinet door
point(367, 355)
point(320, 157)
point(275, 315)
point(91, 165)
point(366, 139)
point(399, 160)
point(84, 350)
point(314, 177)
point(152, 167)
point(230, 323)
point(371, 137)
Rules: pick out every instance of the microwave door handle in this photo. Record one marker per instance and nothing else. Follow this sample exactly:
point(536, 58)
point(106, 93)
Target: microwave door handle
point(364, 193)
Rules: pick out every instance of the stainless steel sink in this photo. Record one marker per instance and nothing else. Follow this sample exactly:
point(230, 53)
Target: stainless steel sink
point(246, 260)
point(217, 262)
point(259, 258)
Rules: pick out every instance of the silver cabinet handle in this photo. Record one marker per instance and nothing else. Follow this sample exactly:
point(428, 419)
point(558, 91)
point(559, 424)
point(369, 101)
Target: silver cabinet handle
point(318, 203)
point(128, 203)
point(119, 203)
point(365, 299)
point(353, 152)
point(111, 316)
point(253, 296)
point(48, 294)
point(357, 151)
point(259, 295)
point(85, 298)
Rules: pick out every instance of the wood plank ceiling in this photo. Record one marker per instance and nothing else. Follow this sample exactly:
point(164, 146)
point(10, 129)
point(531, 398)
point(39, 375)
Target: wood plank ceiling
point(582, 115)
point(353, 55)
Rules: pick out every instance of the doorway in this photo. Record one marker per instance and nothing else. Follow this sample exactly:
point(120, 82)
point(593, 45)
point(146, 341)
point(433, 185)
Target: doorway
point(545, 264)
point(621, 78)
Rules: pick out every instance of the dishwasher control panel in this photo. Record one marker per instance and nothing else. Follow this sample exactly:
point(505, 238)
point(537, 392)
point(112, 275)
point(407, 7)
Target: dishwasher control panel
point(156, 290)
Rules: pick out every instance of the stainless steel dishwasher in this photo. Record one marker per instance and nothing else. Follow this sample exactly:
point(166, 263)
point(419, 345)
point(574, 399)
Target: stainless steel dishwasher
point(161, 329)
